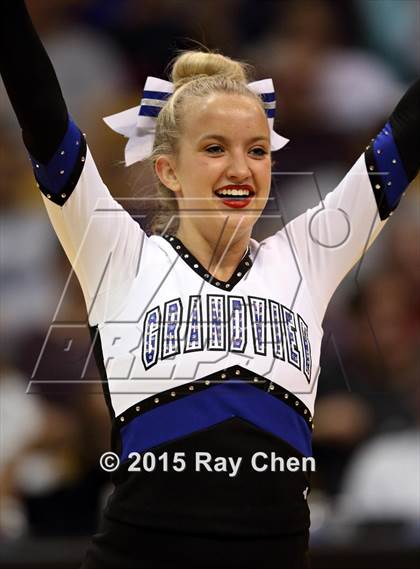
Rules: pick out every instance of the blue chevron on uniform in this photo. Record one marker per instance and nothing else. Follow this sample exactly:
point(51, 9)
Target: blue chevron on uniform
point(233, 398)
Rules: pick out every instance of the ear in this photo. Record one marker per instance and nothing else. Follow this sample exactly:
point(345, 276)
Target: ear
point(165, 171)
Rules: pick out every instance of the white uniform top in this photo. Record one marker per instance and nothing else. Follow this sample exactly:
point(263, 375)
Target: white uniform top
point(164, 322)
point(190, 363)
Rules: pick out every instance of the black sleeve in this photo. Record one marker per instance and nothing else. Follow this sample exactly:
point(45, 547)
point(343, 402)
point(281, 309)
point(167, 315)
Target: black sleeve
point(31, 82)
point(405, 122)
point(393, 156)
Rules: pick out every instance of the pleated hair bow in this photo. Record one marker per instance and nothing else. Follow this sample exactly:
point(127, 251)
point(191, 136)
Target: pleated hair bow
point(138, 124)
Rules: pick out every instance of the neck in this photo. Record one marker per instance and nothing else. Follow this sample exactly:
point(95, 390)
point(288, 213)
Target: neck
point(219, 256)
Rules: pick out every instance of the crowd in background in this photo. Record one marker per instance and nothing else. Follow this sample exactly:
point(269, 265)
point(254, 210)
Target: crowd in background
point(338, 68)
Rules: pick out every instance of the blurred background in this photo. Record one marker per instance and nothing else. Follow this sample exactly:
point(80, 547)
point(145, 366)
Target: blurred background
point(339, 68)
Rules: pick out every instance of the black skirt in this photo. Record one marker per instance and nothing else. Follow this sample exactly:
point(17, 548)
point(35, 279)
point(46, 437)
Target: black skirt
point(123, 546)
point(199, 519)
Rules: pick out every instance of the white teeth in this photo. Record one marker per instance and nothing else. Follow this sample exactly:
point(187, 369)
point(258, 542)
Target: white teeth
point(232, 192)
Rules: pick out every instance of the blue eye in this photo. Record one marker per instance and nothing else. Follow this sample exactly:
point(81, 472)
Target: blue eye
point(215, 147)
point(259, 151)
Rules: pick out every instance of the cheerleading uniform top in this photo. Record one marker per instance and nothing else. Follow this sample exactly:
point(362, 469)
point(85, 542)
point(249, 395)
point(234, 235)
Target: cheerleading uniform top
point(192, 364)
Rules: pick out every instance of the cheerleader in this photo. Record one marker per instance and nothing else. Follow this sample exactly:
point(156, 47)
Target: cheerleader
point(208, 341)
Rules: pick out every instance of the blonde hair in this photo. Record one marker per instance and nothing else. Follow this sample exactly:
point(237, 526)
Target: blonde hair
point(194, 74)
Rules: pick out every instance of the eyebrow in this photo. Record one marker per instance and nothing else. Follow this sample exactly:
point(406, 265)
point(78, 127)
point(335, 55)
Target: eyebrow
point(224, 139)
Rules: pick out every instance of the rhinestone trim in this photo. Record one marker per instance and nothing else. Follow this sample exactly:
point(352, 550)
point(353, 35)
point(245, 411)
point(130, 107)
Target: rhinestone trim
point(385, 171)
point(231, 373)
point(61, 196)
point(375, 177)
point(186, 255)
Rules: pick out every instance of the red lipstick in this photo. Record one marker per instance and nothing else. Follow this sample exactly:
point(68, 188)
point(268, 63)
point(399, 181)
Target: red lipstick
point(235, 195)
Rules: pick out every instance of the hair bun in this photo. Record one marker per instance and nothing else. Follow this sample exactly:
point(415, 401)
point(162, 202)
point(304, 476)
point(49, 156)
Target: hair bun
point(194, 64)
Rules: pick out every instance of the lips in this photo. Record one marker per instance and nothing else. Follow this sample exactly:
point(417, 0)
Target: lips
point(236, 196)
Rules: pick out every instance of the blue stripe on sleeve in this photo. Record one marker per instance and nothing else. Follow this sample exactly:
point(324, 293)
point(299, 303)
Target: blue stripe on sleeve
point(393, 179)
point(55, 177)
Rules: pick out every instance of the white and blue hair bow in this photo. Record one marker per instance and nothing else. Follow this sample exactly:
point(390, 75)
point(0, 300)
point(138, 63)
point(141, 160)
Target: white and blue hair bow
point(138, 124)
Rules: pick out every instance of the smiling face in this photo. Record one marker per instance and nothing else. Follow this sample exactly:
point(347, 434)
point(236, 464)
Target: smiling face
point(222, 171)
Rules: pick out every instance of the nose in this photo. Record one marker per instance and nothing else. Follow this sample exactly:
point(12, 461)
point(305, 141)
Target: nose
point(238, 169)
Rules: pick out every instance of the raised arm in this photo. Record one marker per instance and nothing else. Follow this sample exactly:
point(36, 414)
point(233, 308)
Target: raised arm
point(393, 157)
point(31, 83)
point(330, 238)
point(101, 240)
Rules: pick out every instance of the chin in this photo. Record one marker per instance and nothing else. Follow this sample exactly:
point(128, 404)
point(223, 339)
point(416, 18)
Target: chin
point(236, 220)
